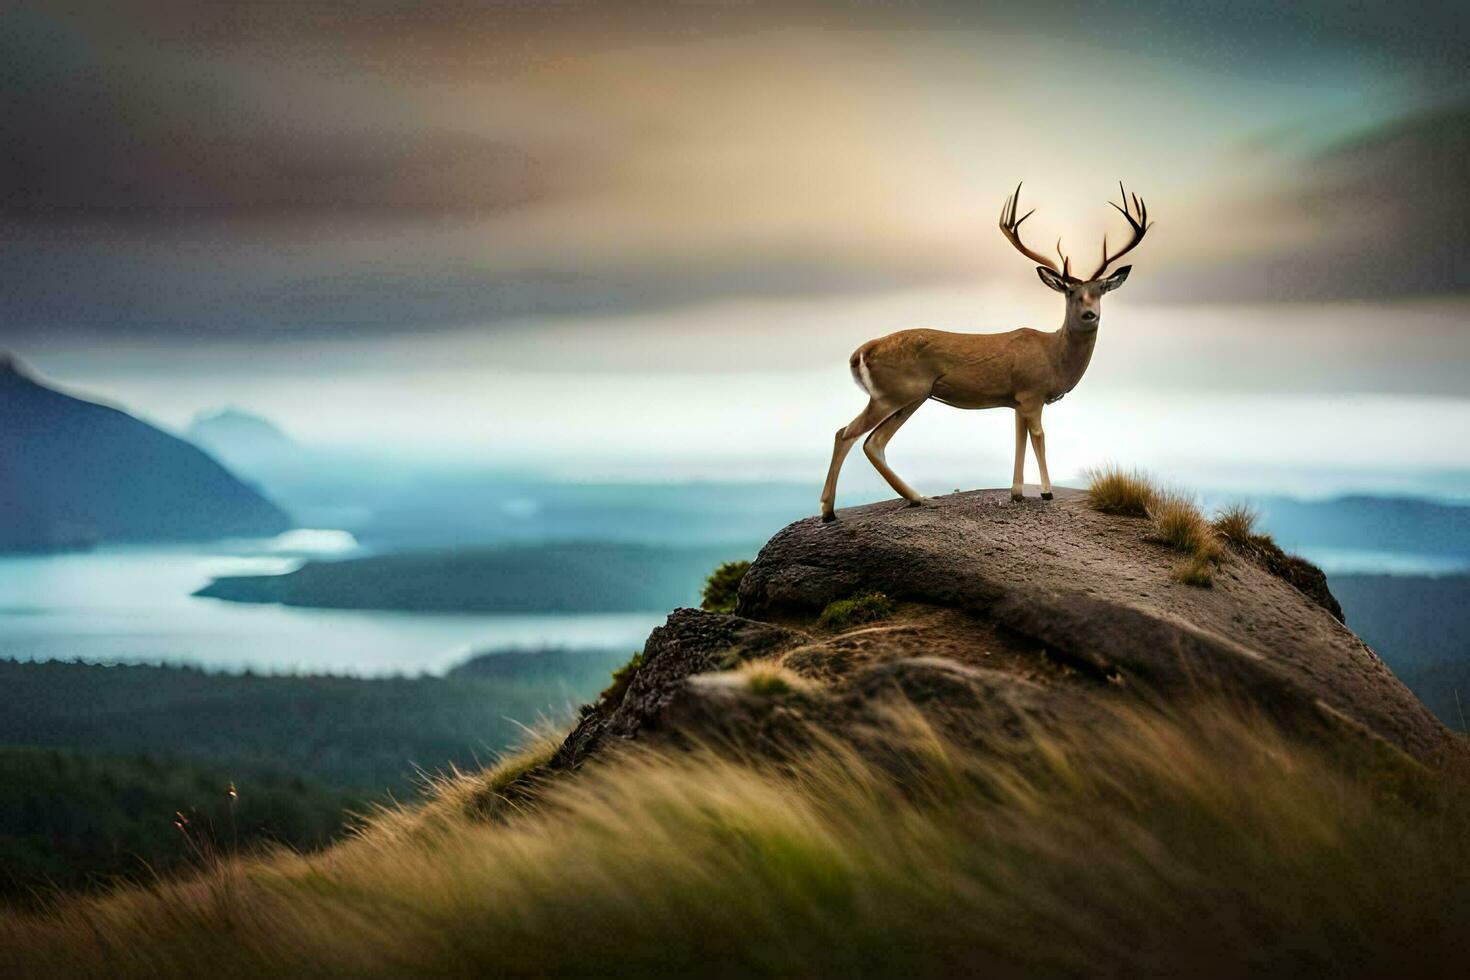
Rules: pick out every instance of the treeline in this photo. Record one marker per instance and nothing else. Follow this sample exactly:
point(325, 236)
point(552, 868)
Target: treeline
point(74, 819)
point(95, 761)
point(370, 736)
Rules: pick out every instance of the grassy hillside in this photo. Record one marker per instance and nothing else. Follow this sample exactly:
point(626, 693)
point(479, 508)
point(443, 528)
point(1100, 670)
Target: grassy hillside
point(1148, 836)
point(1205, 839)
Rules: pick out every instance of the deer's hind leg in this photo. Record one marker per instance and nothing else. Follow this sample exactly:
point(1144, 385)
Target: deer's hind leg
point(847, 436)
point(877, 442)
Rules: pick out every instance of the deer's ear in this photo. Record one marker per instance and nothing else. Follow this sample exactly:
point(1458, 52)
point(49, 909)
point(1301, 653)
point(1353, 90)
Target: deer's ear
point(1051, 279)
point(1116, 279)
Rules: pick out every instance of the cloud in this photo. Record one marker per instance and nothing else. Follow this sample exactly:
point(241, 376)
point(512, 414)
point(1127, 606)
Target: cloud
point(1385, 214)
point(262, 171)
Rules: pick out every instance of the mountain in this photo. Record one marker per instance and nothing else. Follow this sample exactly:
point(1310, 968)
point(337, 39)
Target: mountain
point(75, 473)
point(976, 738)
point(240, 438)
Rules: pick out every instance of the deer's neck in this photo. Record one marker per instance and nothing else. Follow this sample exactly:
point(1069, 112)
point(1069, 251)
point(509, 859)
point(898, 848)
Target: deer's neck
point(1073, 351)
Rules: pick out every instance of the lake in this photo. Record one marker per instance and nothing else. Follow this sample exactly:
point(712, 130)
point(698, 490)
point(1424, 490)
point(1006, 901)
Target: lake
point(134, 605)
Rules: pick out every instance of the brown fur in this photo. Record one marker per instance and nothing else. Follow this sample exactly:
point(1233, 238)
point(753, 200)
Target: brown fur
point(1021, 369)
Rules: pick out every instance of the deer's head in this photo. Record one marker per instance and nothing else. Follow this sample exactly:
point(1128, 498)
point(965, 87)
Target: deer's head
point(1084, 296)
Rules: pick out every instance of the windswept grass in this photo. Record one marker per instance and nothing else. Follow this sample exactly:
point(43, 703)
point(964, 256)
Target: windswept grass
point(867, 608)
point(1206, 842)
point(1115, 490)
point(458, 795)
point(722, 588)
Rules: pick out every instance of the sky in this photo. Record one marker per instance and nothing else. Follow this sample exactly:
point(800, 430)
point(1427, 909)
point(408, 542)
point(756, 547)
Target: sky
point(596, 234)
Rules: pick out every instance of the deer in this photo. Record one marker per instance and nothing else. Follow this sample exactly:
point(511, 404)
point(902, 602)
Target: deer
point(1023, 370)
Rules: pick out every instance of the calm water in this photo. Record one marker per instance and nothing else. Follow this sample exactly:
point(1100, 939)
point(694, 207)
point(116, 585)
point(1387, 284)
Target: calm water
point(134, 605)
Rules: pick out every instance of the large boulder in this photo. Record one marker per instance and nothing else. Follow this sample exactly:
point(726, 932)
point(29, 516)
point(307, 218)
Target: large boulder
point(1093, 593)
point(1012, 619)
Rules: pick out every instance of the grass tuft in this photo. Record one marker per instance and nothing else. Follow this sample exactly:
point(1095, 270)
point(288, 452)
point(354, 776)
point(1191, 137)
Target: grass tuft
point(1114, 490)
point(860, 609)
point(769, 678)
point(1177, 522)
point(1236, 523)
point(722, 588)
point(1196, 570)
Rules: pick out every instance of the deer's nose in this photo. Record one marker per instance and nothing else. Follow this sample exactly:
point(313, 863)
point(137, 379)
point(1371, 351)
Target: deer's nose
point(1089, 315)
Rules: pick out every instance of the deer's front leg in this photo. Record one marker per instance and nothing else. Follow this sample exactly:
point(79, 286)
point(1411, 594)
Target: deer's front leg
point(1019, 475)
point(1038, 443)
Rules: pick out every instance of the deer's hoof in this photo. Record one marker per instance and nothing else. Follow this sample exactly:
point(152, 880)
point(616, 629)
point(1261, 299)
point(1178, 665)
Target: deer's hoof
point(921, 502)
point(828, 516)
point(1016, 496)
point(1046, 496)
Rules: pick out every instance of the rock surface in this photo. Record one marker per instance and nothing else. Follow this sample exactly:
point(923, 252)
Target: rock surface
point(1092, 590)
point(1012, 617)
point(690, 643)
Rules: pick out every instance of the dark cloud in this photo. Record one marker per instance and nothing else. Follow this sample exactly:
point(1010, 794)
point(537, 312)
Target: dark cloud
point(90, 281)
point(262, 170)
point(146, 133)
point(1392, 211)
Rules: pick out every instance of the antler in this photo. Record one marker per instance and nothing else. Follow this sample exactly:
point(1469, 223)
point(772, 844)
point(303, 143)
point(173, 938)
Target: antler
point(1010, 226)
point(1139, 226)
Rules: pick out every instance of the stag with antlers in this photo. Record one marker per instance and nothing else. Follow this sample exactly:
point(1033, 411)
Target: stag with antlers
point(1023, 369)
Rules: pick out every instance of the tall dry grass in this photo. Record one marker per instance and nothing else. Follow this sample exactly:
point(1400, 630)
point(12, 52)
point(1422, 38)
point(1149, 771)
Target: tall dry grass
point(1236, 523)
point(1113, 489)
point(1201, 843)
point(457, 795)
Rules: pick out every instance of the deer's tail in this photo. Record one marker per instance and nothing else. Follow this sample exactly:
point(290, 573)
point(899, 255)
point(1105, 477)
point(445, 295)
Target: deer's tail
point(859, 367)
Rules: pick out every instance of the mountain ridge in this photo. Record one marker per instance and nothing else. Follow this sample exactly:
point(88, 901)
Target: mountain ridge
point(77, 473)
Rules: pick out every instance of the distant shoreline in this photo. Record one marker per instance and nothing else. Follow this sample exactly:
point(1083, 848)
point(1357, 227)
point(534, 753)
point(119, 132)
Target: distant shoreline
point(549, 578)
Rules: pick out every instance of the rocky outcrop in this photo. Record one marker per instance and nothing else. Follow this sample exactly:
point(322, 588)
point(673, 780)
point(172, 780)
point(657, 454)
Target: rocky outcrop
point(1097, 594)
point(689, 644)
point(1012, 617)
